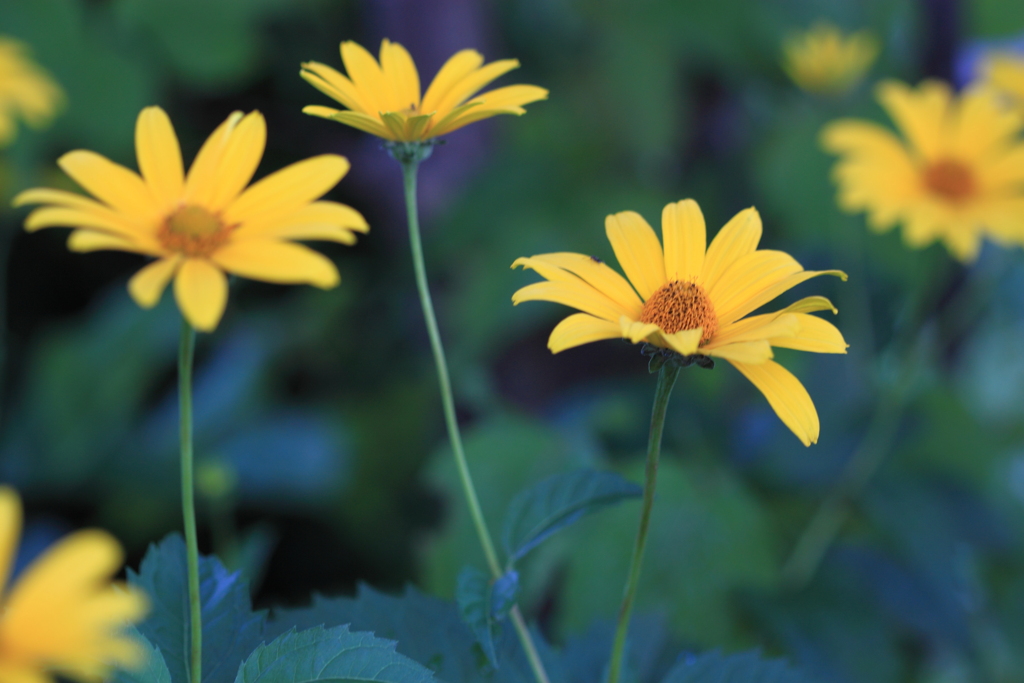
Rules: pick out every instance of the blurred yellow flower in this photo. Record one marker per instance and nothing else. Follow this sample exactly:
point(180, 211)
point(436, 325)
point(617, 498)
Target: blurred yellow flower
point(824, 61)
point(957, 175)
point(1004, 73)
point(206, 223)
point(693, 302)
point(64, 616)
point(27, 91)
point(384, 98)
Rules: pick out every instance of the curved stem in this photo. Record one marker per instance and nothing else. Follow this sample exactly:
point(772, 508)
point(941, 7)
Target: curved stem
point(186, 353)
point(409, 171)
point(666, 380)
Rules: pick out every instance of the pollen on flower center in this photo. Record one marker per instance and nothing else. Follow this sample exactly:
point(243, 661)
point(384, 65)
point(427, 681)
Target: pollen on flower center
point(194, 231)
point(681, 306)
point(950, 179)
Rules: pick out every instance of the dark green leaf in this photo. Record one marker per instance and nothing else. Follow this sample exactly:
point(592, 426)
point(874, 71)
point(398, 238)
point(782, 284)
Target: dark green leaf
point(332, 654)
point(558, 501)
point(473, 594)
point(154, 670)
point(745, 667)
point(504, 594)
point(230, 628)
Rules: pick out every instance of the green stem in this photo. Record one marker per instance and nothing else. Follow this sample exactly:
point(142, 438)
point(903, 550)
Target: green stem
point(666, 380)
point(410, 168)
point(186, 355)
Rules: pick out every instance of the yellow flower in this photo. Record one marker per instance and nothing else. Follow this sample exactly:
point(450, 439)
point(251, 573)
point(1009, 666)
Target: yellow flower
point(1004, 73)
point(957, 176)
point(64, 615)
point(384, 98)
point(27, 91)
point(826, 62)
point(693, 302)
point(204, 224)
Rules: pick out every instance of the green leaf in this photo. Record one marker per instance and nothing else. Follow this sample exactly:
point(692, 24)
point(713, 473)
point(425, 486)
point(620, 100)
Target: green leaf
point(231, 630)
point(154, 670)
point(558, 501)
point(745, 667)
point(332, 654)
point(473, 595)
point(428, 630)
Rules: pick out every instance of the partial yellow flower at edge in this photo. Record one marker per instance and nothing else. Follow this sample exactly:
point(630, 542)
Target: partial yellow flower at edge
point(1004, 73)
point(64, 615)
point(824, 61)
point(956, 173)
point(207, 223)
point(693, 299)
point(383, 98)
point(27, 91)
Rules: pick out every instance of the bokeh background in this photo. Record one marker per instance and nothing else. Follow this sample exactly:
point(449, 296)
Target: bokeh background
point(323, 456)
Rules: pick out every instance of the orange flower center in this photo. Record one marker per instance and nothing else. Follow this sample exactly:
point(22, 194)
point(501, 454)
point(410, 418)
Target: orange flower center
point(681, 306)
point(193, 231)
point(951, 180)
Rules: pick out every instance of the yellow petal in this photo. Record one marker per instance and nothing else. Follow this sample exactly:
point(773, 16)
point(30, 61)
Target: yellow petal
point(84, 241)
point(287, 190)
point(365, 123)
point(241, 157)
point(684, 342)
point(638, 251)
point(636, 331)
point(201, 181)
point(335, 85)
point(595, 273)
point(71, 200)
point(510, 97)
point(814, 335)
point(400, 72)
point(396, 124)
point(280, 262)
point(470, 84)
point(159, 157)
point(10, 532)
point(113, 184)
point(12, 672)
point(366, 75)
point(458, 66)
point(738, 238)
point(50, 217)
point(921, 113)
point(809, 304)
point(147, 285)
point(759, 327)
point(982, 124)
point(318, 215)
point(579, 329)
point(787, 397)
point(576, 294)
point(685, 237)
point(775, 289)
point(201, 290)
point(748, 352)
point(748, 276)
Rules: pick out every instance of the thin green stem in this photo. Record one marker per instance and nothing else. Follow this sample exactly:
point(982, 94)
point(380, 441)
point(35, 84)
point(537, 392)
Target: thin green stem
point(666, 380)
point(410, 168)
point(186, 354)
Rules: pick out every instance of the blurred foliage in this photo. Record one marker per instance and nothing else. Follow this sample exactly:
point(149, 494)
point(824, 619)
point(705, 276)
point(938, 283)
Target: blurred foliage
point(321, 407)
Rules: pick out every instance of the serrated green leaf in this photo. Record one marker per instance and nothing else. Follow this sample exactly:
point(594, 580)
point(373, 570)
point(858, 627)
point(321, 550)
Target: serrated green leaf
point(745, 667)
point(558, 501)
point(154, 670)
point(428, 630)
point(331, 654)
point(473, 595)
point(230, 628)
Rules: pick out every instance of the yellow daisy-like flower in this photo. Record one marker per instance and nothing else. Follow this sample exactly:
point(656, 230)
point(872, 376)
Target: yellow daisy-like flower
point(693, 301)
point(27, 91)
point(1004, 73)
point(207, 223)
point(384, 98)
point(824, 61)
point(957, 175)
point(64, 615)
